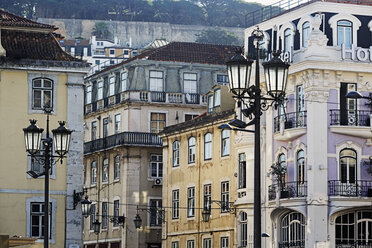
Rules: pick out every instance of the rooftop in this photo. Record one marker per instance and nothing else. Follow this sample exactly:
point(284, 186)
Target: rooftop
point(10, 20)
point(184, 52)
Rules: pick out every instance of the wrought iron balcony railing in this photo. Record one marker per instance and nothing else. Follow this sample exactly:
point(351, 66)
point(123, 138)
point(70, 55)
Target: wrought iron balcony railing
point(350, 117)
point(357, 244)
point(288, 190)
point(294, 244)
point(291, 120)
point(350, 188)
point(124, 138)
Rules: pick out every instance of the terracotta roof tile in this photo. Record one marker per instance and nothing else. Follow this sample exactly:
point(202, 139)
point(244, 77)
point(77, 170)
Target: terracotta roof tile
point(10, 20)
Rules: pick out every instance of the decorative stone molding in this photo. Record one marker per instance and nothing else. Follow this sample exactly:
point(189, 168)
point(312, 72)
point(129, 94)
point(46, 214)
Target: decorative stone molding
point(304, 19)
point(370, 26)
point(333, 23)
point(316, 96)
point(285, 26)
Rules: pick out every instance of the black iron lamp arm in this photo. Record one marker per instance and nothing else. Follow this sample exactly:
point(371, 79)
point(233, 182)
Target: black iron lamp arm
point(223, 204)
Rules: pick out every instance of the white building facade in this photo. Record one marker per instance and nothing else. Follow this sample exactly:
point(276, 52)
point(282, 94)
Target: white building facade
point(322, 138)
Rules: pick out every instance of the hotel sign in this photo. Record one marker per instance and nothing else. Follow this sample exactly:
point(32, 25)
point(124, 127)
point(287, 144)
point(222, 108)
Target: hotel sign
point(356, 53)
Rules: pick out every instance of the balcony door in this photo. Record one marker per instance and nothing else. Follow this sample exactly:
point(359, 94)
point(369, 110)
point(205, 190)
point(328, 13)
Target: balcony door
point(348, 172)
point(300, 108)
point(348, 107)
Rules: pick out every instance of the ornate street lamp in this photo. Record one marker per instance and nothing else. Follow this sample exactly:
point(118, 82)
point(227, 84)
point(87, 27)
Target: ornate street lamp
point(61, 137)
point(206, 213)
point(85, 207)
point(137, 221)
point(96, 226)
point(276, 73)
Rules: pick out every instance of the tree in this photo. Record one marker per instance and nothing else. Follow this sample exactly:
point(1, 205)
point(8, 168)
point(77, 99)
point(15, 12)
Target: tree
point(217, 36)
point(101, 30)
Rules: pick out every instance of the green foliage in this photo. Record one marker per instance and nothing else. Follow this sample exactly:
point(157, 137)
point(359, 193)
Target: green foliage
point(278, 172)
point(101, 30)
point(217, 36)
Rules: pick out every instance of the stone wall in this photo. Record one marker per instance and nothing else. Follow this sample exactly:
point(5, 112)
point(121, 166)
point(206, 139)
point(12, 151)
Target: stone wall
point(139, 33)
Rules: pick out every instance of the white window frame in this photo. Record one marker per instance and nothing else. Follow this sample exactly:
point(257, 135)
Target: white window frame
point(157, 121)
point(105, 127)
point(117, 123)
point(93, 216)
point(207, 242)
point(190, 83)
point(104, 215)
point(224, 77)
point(93, 173)
point(52, 222)
point(105, 168)
point(123, 78)
point(191, 154)
point(88, 94)
point(208, 146)
point(225, 142)
point(292, 28)
point(190, 243)
point(175, 244)
point(112, 86)
point(224, 242)
point(243, 229)
point(242, 174)
point(100, 90)
point(190, 202)
point(117, 167)
point(290, 223)
point(210, 103)
point(207, 196)
point(225, 196)
point(176, 153)
point(94, 129)
point(300, 24)
point(156, 81)
point(157, 214)
point(175, 204)
point(217, 97)
point(355, 25)
point(116, 212)
point(32, 77)
point(156, 164)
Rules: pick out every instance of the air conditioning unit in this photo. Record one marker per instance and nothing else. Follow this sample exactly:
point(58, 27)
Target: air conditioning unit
point(158, 181)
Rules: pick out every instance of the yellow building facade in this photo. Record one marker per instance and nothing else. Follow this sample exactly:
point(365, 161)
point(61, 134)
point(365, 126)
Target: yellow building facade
point(36, 73)
point(199, 168)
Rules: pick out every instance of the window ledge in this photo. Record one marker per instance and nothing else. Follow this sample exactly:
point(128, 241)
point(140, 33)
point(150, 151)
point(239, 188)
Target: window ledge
point(357, 131)
point(290, 134)
point(116, 180)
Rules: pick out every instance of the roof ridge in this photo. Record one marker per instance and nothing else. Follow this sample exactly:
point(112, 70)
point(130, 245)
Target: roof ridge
point(21, 21)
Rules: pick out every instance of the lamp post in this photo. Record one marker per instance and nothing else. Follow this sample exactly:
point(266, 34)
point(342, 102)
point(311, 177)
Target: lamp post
point(252, 103)
point(61, 138)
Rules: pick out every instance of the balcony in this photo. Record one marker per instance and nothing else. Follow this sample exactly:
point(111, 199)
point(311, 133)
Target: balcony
point(351, 122)
point(123, 139)
point(359, 244)
point(145, 96)
point(288, 190)
point(290, 125)
point(356, 188)
point(294, 244)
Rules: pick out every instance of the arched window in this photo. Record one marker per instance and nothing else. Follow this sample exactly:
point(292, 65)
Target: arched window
point(348, 160)
point(243, 230)
point(283, 164)
point(301, 167)
point(305, 33)
point(354, 228)
point(191, 150)
point(344, 33)
point(292, 230)
point(287, 40)
point(207, 146)
point(176, 153)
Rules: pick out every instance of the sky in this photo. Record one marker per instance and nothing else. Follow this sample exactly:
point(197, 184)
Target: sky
point(264, 2)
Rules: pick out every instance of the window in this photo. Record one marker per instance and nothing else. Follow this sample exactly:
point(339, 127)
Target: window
point(210, 103)
point(117, 167)
point(207, 243)
point(112, 51)
point(292, 230)
point(287, 40)
point(348, 160)
point(225, 196)
point(112, 86)
point(157, 122)
point(189, 83)
point(207, 196)
point(156, 81)
point(99, 90)
point(348, 106)
point(224, 242)
point(175, 244)
point(191, 202)
point(93, 172)
point(72, 51)
point(242, 180)
point(36, 165)
point(42, 93)
point(344, 33)
point(191, 150)
point(105, 170)
point(217, 97)
point(243, 228)
point(92, 215)
point(126, 52)
point(104, 215)
point(354, 229)
point(189, 117)
point(112, 62)
point(176, 153)
point(155, 214)
point(105, 127)
point(300, 98)
point(301, 167)
point(207, 146)
point(190, 243)
point(37, 220)
point(225, 142)
point(175, 204)
point(97, 62)
point(305, 33)
point(222, 79)
point(116, 212)
point(88, 96)
point(283, 164)
point(156, 164)
point(124, 81)
point(117, 123)
point(94, 130)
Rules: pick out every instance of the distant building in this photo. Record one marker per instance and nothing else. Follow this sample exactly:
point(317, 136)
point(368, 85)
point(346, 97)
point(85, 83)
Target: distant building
point(126, 106)
point(36, 73)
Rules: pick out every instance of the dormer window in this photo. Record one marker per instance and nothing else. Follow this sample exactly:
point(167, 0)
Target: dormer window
point(88, 97)
point(305, 33)
point(189, 83)
point(100, 90)
point(344, 33)
point(112, 86)
point(217, 97)
point(210, 103)
point(156, 81)
point(124, 81)
point(222, 79)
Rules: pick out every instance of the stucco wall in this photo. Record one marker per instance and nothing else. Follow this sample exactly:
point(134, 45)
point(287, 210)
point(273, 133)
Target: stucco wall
point(140, 33)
